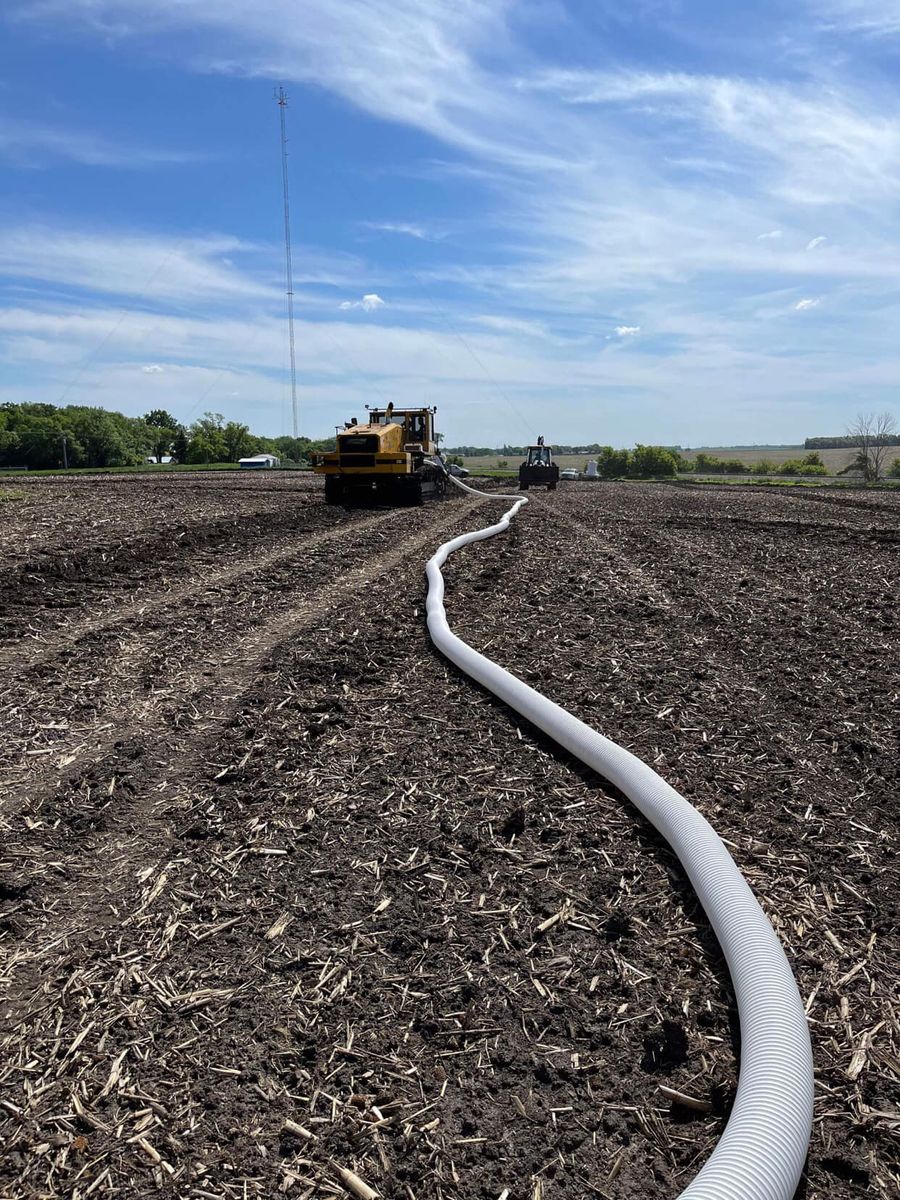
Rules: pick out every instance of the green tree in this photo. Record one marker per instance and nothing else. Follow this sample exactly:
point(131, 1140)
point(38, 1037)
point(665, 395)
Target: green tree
point(612, 464)
point(297, 449)
point(290, 449)
point(705, 464)
point(207, 445)
point(34, 436)
point(11, 453)
point(894, 471)
point(108, 439)
point(652, 462)
point(238, 441)
point(800, 466)
point(180, 445)
point(163, 428)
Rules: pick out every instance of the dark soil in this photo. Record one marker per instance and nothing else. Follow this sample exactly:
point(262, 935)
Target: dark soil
point(267, 858)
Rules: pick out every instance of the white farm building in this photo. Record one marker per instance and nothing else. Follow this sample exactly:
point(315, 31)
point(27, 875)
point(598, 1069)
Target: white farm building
point(259, 462)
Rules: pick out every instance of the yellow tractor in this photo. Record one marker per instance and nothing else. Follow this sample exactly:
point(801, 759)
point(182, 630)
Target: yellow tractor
point(391, 459)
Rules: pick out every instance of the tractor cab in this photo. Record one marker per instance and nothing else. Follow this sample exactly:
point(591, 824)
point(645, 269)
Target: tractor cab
point(417, 425)
point(538, 469)
point(539, 456)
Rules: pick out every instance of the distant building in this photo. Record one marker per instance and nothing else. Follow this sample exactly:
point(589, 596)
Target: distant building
point(166, 458)
point(259, 462)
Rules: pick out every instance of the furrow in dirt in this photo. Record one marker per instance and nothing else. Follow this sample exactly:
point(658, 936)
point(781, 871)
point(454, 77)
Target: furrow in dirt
point(110, 778)
point(289, 550)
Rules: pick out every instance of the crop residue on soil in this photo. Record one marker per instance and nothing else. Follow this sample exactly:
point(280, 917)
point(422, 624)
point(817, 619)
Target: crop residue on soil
point(284, 897)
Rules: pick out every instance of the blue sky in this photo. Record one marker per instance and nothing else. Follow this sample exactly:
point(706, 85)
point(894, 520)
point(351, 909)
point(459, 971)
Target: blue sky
point(668, 221)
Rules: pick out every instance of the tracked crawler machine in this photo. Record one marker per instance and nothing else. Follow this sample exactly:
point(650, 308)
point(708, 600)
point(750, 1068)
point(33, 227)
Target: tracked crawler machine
point(391, 459)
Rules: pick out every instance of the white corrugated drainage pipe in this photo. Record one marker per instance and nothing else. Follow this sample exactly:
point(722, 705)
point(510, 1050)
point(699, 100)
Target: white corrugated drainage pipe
point(760, 1155)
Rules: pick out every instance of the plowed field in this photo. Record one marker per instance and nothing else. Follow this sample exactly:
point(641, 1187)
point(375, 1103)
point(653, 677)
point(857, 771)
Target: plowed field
point(266, 858)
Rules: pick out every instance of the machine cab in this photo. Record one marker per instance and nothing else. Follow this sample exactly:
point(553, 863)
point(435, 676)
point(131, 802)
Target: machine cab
point(418, 425)
point(539, 456)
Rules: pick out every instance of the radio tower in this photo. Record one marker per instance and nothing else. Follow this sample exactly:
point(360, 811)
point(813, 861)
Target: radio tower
point(281, 97)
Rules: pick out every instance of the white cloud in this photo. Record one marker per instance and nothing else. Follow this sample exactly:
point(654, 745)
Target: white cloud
point(30, 144)
point(765, 237)
point(880, 18)
point(400, 227)
point(511, 325)
point(623, 331)
point(152, 369)
point(371, 302)
point(809, 302)
point(826, 144)
point(124, 263)
point(816, 241)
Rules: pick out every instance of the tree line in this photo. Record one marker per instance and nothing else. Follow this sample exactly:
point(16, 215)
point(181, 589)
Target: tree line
point(43, 436)
point(706, 464)
point(514, 451)
point(46, 436)
point(872, 435)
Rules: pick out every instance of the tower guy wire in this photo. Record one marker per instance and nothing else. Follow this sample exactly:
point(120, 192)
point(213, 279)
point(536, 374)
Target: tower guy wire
point(281, 97)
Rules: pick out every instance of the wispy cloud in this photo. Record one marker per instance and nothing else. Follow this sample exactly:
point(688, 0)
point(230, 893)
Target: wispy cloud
point(150, 267)
point(516, 325)
point(770, 236)
point(827, 146)
point(413, 61)
point(807, 303)
point(404, 228)
point(30, 144)
point(816, 241)
point(626, 331)
point(877, 17)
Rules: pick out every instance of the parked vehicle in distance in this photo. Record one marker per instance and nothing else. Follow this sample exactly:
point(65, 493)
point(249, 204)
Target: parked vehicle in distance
point(570, 473)
point(458, 472)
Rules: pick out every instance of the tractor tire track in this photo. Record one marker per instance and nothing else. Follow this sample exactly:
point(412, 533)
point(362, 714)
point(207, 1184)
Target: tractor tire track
point(116, 806)
point(68, 641)
point(66, 714)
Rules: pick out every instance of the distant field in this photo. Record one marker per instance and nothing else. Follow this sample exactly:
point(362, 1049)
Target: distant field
point(834, 460)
